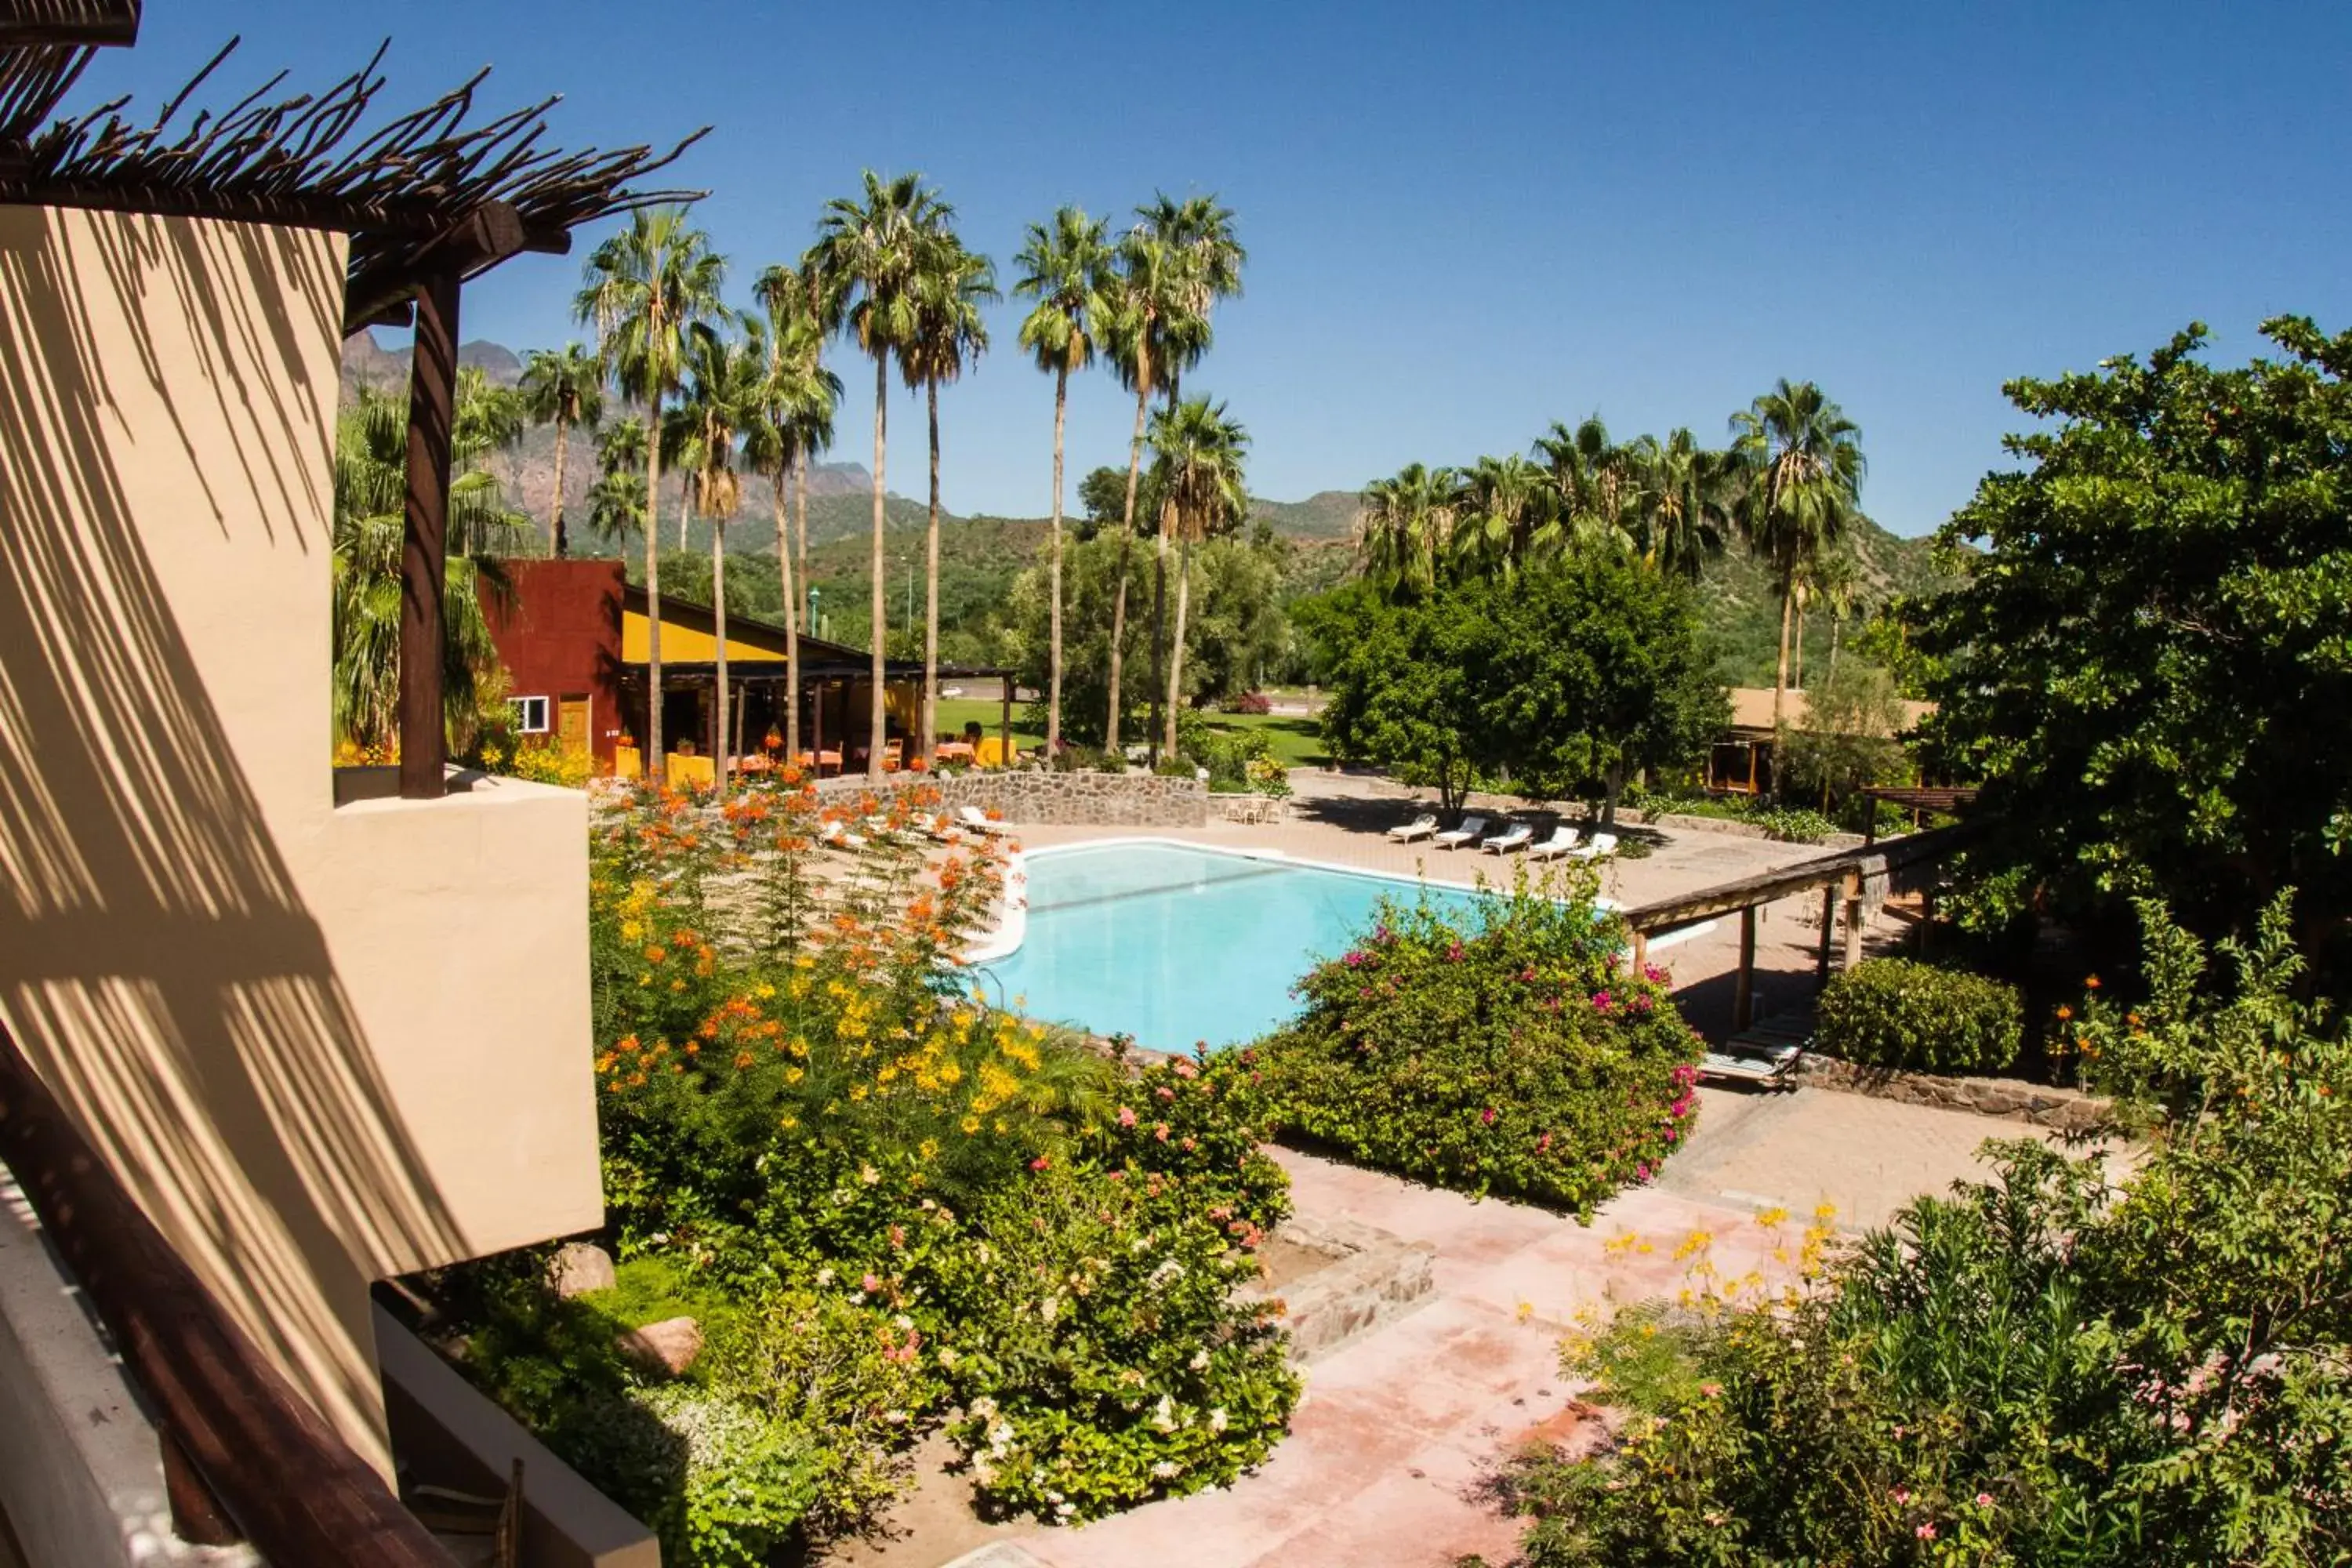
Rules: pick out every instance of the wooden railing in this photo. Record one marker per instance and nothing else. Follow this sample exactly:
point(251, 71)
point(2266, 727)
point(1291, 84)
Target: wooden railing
point(1840, 874)
point(244, 1457)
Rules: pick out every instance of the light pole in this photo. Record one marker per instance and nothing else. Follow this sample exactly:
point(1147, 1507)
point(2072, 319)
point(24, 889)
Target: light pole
point(811, 611)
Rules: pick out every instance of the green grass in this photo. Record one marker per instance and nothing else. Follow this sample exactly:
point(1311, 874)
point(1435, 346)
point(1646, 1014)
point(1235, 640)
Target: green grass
point(1298, 742)
point(955, 712)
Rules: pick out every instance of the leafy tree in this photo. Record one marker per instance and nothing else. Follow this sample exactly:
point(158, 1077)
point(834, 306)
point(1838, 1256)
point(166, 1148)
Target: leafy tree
point(2145, 666)
point(868, 258)
point(948, 334)
point(646, 289)
point(1237, 636)
point(563, 387)
point(616, 502)
point(1096, 574)
point(1803, 459)
point(1847, 740)
point(1583, 672)
point(371, 491)
point(1199, 453)
point(1061, 267)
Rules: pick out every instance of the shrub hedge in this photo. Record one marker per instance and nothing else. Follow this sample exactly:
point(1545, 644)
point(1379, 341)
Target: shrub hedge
point(1894, 1013)
point(1511, 1053)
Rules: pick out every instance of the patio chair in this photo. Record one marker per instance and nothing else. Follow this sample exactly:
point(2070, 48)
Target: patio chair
point(835, 836)
point(1561, 842)
point(934, 826)
point(972, 817)
point(1472, 829)
point(1603, 844)
point(1518, 835)
point(1421, 827)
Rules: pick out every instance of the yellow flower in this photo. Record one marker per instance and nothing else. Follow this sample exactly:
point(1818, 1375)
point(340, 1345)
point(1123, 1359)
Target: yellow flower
point(927, 1147)
point(794, 1074)
point(971, 1124)
point(856, 1091)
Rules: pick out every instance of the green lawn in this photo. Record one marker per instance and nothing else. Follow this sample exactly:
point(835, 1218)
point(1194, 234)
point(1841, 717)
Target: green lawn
point(1298, 742)
point(955, 712)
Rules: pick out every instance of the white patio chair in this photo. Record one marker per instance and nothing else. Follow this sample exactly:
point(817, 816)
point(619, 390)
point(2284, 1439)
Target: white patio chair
point(1561, 842)
point(1472, 829)
point(1518, 835)
point(1421, 827)
point(1603, 844)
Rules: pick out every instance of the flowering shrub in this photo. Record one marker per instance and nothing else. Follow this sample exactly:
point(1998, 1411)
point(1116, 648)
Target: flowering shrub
point(1892, 1012)
point(1249, 702)
point(2055, 1367)
point(899, 1207)
point(1513, 1053)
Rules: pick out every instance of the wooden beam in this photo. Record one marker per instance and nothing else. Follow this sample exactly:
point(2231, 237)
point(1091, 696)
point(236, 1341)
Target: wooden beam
point(1829, 934)
point(1743, 994)
point(424, 555)
point(477, 242)
point(237, 1437)
point(26, 23)
point(1853, 919)
point(1768, 887)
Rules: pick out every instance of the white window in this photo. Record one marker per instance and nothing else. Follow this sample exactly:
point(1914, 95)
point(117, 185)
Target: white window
point(531, 715)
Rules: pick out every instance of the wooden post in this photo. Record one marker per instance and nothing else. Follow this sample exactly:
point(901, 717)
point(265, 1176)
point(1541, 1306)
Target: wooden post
point(1853, 919)
point(1640, 949)
point(1004, 725)
point(423, 551)
point(816, 732)
point(1743, 997)
point(1829, 933)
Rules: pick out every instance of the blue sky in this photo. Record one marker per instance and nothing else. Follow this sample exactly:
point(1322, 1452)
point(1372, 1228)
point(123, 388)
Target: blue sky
point(1467, 220)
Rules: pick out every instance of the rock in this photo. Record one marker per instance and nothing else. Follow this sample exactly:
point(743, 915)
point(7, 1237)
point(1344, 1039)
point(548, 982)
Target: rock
point(1577, 1431)
point(579, 1268)
point(671, 1344)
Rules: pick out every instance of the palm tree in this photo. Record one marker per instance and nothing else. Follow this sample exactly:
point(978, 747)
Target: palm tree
point(1198, 237)
point(795, 418)
point(1406, 527)
point(1061, 268)
point(1198, 455)
point(794, 300)
point(720, 398)
point(1510, 516)
point(371, 489)
point(1834, 582)
point(948, 334)
point(563, 387)
point(1146, 290)
point(616, 503)
point(1805, 468)
point(1691, 495)
point(1598, 481)
point(646, 289)
point(865, 257)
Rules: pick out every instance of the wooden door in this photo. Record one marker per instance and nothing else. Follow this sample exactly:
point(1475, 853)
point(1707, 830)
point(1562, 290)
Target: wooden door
point(571, 723)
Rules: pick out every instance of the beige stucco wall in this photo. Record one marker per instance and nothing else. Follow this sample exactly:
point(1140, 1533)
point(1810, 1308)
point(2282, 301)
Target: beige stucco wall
point(322, 1046)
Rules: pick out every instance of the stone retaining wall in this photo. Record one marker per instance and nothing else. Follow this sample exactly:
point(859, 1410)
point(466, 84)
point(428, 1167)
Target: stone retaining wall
point(2007, 1099)
point(1034, 795)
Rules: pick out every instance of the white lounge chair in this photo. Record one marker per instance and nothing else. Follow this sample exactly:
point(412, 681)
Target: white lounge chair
point(1771, 1067)
point(1421, 827)
point(1561, 842)
point(1603, 844)
point(840, 838)
point(934, 826)
point(972, 817)
point(1472, 829)
point(1518, 835)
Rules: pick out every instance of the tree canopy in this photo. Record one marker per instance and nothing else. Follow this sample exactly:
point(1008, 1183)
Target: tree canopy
point(2147, 665)
point(1578, 675)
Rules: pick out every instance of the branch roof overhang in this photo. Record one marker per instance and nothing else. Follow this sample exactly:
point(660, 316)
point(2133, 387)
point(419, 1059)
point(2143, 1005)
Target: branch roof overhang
point(111, 22)
point(427, 193)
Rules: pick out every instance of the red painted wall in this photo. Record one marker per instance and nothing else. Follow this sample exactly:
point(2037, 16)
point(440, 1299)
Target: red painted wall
point(561, 638)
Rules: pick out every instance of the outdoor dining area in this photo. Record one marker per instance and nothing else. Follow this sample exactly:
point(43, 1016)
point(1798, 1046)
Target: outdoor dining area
point(834, 720)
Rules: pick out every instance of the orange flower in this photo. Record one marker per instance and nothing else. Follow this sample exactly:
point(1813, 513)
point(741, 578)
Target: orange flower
point(2065, 1013)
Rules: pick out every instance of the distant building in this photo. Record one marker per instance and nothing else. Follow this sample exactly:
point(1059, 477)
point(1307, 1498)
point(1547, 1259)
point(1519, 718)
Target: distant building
point(1740, 760)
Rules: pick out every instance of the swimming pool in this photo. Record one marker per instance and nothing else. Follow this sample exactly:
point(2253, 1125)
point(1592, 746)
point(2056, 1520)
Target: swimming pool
point(1176, 944)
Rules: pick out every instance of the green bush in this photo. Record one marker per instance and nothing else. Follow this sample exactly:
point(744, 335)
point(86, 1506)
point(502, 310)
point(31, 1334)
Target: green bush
point(1509, 1053)
point(1892, 1013)
point(1795, 825)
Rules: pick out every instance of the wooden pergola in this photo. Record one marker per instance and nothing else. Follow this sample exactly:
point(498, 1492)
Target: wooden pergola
point(431, 199)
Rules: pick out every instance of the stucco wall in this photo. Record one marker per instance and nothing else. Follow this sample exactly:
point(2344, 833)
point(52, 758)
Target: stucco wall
point(320, 1045)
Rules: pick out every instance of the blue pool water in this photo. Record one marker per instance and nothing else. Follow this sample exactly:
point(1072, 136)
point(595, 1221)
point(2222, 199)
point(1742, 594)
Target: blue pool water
point(1176, 945)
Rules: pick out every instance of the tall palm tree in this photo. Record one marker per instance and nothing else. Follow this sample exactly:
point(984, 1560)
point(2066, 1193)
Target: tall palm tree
point(1599, 483)
point(796, 408)
point(793, 299)
point(1198, 458)
point(1804, 484)
point(950, 335)
point(1405, 530)
point(1510, 516)
point(721, 396)
point(370, 479)
point(1198, 236)
point(1691, 495)
point(1062, 267)
point(1146, 291)
point(1834, 582)
point(563, 387)
point(868, 253)
point(646, 289)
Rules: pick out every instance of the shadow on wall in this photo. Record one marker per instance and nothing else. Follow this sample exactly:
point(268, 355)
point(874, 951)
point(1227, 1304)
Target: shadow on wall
point(156, 960)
